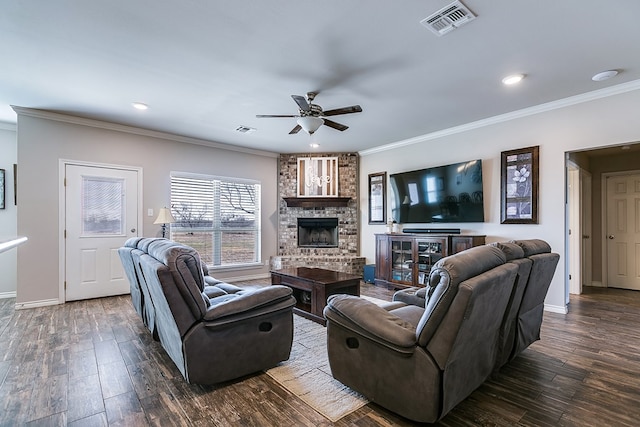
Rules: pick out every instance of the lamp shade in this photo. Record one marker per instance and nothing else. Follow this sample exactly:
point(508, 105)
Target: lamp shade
point(164, 217)
point(310, 124)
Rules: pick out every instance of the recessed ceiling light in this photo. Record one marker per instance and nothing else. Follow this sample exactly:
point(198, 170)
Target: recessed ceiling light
point(513, 79)
point(604, 75)
point(139, 106)
point(314, 145)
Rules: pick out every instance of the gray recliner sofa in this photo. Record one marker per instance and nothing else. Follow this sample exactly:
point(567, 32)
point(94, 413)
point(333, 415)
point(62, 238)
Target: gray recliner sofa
point(420, 360)
point(522, 327)
point(213, 331)
point(523, 317)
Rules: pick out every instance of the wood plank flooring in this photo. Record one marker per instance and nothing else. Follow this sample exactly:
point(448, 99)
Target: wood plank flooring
point(92, 363)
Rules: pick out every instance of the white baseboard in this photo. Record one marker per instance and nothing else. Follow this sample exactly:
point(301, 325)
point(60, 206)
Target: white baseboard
point(5, 295)
point(556, 308)
point(35, 304)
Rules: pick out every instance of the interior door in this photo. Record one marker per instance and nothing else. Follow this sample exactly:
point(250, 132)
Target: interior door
point(101, 212)
point(623, 231)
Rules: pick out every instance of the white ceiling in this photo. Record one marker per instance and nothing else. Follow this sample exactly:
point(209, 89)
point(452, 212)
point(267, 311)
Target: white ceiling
point(207, 67)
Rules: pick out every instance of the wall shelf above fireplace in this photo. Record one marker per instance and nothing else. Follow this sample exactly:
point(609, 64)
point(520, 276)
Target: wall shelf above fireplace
point(316, 202)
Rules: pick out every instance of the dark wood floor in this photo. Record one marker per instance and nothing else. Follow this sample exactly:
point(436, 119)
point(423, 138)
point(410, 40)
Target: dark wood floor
point(93, 363)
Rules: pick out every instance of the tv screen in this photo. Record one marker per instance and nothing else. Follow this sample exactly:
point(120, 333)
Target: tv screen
point(451, 193)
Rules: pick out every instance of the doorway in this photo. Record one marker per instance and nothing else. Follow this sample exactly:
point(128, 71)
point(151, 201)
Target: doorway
point(102, 209)
point(587, 224)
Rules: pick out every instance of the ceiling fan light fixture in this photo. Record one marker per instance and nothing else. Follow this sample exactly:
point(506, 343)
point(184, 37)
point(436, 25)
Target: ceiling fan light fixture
point(310, 124)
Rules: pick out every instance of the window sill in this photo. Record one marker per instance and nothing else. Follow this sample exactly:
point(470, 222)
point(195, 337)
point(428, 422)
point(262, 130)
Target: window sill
point(236, 267)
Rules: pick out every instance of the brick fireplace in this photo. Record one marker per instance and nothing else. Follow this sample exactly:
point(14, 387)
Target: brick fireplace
point(341, 255)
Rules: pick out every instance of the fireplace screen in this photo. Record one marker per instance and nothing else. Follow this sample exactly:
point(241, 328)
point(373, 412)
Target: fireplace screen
point(318, 232)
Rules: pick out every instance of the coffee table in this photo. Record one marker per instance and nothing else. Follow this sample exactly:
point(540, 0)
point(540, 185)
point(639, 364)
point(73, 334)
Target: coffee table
point(312, 286)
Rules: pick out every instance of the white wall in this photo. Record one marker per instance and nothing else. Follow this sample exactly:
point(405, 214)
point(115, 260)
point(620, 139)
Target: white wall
point(42, 141)
point(8, 215)
point(595, 123)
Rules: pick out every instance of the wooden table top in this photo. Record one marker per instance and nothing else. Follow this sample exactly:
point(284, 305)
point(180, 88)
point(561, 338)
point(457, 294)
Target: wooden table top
point(318, 275)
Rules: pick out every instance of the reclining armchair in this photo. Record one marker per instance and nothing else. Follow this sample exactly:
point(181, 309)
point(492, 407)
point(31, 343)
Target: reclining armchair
point(213, 331)
point(421, 361)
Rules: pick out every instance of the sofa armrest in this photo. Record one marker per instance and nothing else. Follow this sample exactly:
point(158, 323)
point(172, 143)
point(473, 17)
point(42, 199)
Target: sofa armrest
point(244, 302)
point(264, 310)
point(371, 321)
point(414, 296)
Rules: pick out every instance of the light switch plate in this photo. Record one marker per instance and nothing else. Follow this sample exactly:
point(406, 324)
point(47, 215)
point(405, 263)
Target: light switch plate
point(149, 212)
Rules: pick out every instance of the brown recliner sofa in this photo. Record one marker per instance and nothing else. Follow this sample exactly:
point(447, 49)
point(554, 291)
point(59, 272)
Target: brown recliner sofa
point(213, 331)
point(421, 361)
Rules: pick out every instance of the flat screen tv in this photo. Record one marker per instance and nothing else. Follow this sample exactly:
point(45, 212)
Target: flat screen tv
point(444, 194)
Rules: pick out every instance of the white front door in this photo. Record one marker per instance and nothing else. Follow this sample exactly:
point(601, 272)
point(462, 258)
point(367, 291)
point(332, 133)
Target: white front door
point(623, 231)
point(101, 213)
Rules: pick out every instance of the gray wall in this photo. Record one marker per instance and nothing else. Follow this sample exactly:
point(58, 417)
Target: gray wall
point(8, 215)
point(42, 142)
point(592, 123)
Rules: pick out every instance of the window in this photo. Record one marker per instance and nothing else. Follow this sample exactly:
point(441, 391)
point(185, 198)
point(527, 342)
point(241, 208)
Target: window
point(102, 206)
point(217, 216)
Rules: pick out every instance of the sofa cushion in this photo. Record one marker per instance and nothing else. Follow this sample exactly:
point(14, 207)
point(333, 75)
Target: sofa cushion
point(185, 267)
point(229, 288)
point(240, 302)
point(533, 246)
point(511, 249)
point(444, 279)
point(213, 291)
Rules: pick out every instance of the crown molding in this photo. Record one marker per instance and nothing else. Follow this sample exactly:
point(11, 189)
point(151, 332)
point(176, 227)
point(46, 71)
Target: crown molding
point(8, 126)
point(50, 115)
point(542, 108)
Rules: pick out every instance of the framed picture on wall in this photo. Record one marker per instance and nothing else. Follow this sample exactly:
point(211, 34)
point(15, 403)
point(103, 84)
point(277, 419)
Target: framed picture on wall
point(2, 187)
point(317, 177)
point(378, 198)
point(519, 186)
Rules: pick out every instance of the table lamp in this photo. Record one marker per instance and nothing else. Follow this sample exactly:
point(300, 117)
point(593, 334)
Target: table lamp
point(164, 218)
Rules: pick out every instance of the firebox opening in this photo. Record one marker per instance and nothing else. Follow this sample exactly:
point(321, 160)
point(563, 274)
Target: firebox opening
point(318, 232)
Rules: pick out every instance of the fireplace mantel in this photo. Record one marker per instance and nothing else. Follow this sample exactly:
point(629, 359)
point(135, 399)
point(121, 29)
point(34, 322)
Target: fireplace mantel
point(316, 202)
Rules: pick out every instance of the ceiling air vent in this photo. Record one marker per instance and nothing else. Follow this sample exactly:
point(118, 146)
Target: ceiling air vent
point(245, 129)
point(448, 18)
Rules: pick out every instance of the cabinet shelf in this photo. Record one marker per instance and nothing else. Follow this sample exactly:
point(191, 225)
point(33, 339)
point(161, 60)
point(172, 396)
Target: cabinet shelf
point(405, 260)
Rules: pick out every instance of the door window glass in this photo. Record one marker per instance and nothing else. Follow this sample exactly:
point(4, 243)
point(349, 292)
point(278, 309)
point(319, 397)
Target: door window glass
point(102, 205)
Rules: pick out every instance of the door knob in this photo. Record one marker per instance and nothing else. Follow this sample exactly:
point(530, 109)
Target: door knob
point(133, 230)
point(611, 236)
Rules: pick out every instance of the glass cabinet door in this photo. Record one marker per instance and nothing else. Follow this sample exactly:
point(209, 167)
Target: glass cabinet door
point(402, 261)
point(428, 253)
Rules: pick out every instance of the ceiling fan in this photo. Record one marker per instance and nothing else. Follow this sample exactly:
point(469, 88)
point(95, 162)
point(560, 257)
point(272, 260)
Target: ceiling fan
point(311, 116)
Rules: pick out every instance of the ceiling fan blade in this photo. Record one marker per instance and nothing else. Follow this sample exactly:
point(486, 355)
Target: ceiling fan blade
point(343, 110)
point(295, 129)
point(335, 125)
point(302, 102)
point(261, 116)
